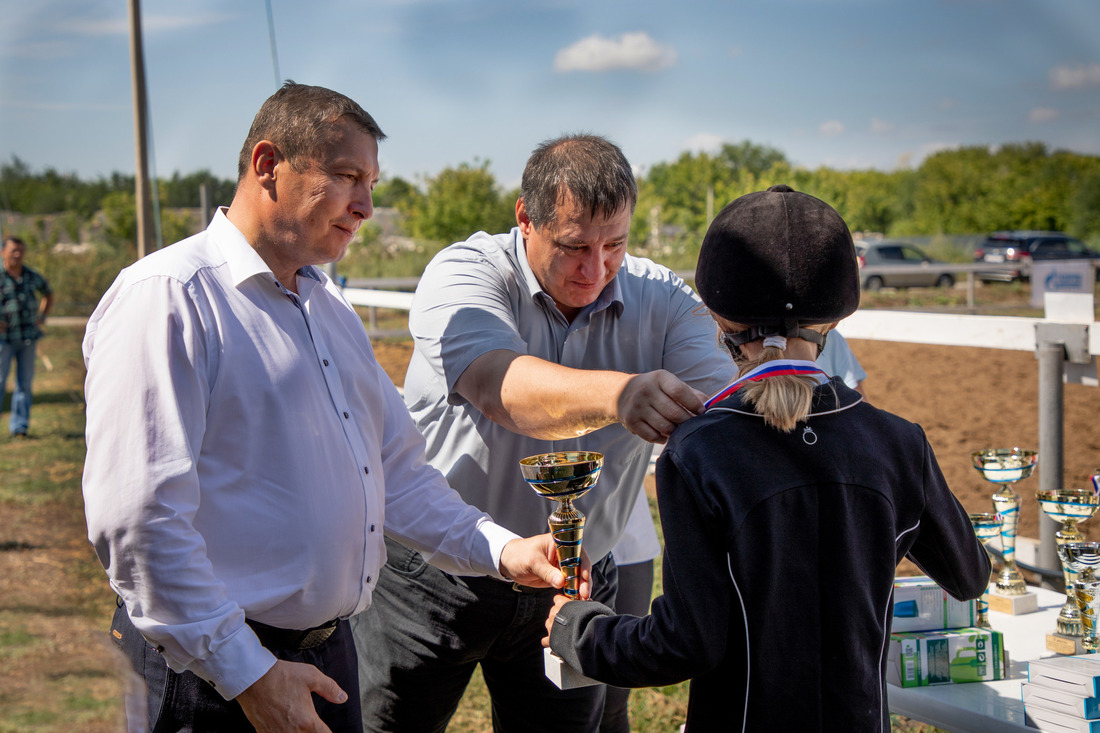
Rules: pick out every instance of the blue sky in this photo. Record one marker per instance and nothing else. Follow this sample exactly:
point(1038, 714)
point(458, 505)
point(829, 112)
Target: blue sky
point(841, 83)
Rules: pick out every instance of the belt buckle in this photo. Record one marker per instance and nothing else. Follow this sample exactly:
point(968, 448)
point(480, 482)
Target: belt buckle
point(316, 637)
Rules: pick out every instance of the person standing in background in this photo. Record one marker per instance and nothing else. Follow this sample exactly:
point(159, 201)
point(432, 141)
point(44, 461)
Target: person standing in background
point(21, 319)
point(837, 360)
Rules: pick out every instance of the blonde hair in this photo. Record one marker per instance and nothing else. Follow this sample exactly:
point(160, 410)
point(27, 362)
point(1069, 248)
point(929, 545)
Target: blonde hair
point(783, 400)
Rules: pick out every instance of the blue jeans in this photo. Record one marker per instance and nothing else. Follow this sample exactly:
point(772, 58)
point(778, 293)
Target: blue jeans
point(426, 631)
point(22, 352)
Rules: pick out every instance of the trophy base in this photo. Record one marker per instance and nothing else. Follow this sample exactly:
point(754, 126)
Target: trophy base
point(1013, 605)
point(562, 675)
point(1064, 644)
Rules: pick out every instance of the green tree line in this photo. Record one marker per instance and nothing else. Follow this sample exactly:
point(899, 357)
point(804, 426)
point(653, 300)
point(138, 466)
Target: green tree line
point(969, 190)
point(964, 191)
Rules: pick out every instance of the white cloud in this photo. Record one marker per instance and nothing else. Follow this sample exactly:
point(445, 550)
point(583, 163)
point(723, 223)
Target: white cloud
point(881, 126)
point(1066, 77)
point(1042, 114)
point(120, 26)
point(831, 128)
point(636, 51)
point(704, 142)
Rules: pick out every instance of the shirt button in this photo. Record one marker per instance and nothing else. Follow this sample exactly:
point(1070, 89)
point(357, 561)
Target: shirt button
point(372, 528)
point(366, 470)
point(324, 361)
point(346, 416)
point(368, 578)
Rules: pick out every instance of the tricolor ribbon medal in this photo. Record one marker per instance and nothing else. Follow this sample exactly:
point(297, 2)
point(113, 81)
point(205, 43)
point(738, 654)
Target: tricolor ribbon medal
point(775, 368)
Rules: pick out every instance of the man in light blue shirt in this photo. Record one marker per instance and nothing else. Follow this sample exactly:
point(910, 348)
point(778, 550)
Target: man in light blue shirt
point(547, 338)
point(837, 360)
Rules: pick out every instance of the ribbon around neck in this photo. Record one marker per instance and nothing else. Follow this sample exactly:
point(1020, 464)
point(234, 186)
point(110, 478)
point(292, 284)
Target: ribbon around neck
point(776, 368)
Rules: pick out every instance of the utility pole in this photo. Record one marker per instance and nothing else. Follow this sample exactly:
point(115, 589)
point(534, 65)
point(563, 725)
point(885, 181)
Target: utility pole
point(141, 178)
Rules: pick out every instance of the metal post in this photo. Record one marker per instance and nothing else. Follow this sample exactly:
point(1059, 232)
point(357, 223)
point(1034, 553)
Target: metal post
point(141, 183)
point(1051, 356)
point(204, 205)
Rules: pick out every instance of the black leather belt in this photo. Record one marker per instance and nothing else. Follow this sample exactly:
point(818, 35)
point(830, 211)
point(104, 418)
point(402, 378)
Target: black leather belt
point(275, 638)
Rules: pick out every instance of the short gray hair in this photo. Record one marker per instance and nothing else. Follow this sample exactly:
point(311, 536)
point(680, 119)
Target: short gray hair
point(298, 119)
point(591, 168)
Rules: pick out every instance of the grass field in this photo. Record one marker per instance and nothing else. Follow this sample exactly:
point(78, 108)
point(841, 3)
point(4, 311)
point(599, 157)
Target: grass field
point(58, 672)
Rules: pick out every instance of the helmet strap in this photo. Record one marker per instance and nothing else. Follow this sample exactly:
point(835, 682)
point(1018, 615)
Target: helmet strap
point(789, 329)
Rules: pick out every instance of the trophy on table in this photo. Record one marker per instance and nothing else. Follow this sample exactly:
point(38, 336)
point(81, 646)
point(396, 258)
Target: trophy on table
point(564, 476)
point(987, 525)
point(1083, 558)
point(1070, 507)
point(1006, 466)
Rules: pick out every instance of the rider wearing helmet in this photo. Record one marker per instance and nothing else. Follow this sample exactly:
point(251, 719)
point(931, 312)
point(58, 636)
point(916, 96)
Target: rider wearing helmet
point(785, 507)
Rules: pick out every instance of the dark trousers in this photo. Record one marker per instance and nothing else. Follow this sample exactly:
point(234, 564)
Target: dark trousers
point(181, 701)
point(635, 592)
point(426, 631)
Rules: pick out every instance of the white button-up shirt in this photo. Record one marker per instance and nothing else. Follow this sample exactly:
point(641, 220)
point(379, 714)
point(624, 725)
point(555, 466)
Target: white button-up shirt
point(245, 451)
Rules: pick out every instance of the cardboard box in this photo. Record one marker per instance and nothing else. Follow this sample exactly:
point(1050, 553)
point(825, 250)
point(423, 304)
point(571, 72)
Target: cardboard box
point(920, 658)
point(1079, 675)
point(1059, 701)
point(561, 674)
point(922, 605)
point(1047, 720)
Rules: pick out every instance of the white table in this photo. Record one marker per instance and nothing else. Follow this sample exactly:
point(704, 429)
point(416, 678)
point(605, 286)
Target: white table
point(987, 707)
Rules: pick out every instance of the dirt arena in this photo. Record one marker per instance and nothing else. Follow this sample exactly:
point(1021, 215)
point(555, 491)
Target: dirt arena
point(965, 399)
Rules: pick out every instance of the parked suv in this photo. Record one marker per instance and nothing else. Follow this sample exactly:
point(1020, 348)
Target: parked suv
point(886, 253)
point(1023, 247)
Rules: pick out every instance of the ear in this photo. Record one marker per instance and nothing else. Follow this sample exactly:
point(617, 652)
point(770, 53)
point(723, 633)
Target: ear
point(524, 221)
point(265, 156)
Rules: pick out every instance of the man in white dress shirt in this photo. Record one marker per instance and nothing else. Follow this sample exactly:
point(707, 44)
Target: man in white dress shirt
point(246, 451)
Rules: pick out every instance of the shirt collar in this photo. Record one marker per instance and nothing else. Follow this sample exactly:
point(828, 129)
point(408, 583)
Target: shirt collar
point(832, 396)
point(611, 294)
point(243, 260)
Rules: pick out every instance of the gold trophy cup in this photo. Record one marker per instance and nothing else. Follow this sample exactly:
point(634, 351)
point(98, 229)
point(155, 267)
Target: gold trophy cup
point(1083, 558)
point(987, 525)
point(1006, 466)
point(564, 476)
point(1068, 506)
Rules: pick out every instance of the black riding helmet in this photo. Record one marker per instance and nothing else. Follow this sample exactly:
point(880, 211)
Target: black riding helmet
point(778, 260)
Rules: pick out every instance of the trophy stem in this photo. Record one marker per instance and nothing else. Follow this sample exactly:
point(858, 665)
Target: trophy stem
point(983, 610)
point(1069, 618)
point(1007, 504)
point(1087, 590)
point(567, 528)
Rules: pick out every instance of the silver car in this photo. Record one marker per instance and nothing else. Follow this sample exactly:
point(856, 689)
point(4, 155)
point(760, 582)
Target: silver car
point(918, 273)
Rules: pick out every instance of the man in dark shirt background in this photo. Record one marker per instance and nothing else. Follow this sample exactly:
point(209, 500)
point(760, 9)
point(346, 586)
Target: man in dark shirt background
point(21, 318)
